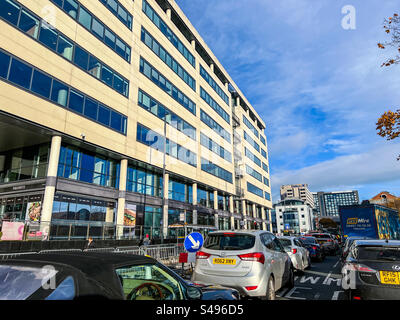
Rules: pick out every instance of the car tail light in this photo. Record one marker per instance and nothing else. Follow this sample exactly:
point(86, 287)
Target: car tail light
point(294, 251)
point(202, 255)
point(314, 247)
point(356, 298)
point(255, 256)
point(329, 240)
point(249, 288)
point(359, 267)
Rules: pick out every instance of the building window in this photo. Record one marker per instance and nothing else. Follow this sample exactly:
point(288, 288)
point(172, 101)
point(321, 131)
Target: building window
point(144, 181)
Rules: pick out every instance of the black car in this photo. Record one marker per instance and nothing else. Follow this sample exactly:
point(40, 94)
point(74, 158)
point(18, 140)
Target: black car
point(347, 244)
point(90, 275)
point(372, 270)
point(315, 250)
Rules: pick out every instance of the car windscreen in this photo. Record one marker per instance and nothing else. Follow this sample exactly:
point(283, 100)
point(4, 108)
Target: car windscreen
point(285, 242)
point(19, 282)
point(229, 241)
point(377, 253)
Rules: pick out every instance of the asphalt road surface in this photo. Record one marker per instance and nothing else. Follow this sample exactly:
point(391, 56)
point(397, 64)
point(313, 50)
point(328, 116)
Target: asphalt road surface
point(320, 282)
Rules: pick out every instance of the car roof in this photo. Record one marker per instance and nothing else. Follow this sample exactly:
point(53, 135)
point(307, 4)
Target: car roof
point(389, 243)
point(87, 262)
point(287, 237)
point(255, 232)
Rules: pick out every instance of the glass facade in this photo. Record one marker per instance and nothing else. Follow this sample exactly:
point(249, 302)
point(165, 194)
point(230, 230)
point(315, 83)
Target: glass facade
point(156, 141)
point(250, 126)
point(180, 191)
point(152, 221)
point(265, 167)
point(144, 181)
point(250, 140)
point(213, 85)
point(209, 121)
point(163, 54)
point(84, 17)
point(150, 104)
point(205, 219)
point(253, 189)
point(252, 157)
point(214, 105)
point(60, 44)
point(50, 88)
point(118, 10)
point(215, 147)
point(155, 18)
point(24, 163)
point(254, 173)
point(154, 75)
point(88, 167)
point(215, 170)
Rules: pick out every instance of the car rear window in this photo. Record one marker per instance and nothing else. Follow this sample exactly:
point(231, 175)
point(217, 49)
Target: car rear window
point(285, 242)
point(229, 241)
point(377, 253)
point(308, 240)
point(321, 236)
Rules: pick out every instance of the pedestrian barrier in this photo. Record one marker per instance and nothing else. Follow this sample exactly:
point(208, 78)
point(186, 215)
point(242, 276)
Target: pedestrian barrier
point(167, 254)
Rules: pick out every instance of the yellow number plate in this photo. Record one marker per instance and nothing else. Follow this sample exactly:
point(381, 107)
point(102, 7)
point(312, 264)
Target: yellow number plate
point(388, 277)
point(224, 261)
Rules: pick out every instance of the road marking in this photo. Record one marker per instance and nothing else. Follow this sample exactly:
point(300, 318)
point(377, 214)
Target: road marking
point(336, 295)
point(316, 297)
point(336, 264)
point(329, 278)
point(311, 279)
point(289, 295)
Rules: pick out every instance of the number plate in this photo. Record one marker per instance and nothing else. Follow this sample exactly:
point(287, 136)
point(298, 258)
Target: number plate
point(224, 261)
point(389, 277)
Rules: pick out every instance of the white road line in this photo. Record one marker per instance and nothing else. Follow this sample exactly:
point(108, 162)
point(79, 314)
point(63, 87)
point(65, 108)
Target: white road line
point(336, 264)
point(289, 295)
point(336, 295)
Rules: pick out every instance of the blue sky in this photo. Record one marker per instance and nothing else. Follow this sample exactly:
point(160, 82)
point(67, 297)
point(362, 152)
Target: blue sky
point(318, 87)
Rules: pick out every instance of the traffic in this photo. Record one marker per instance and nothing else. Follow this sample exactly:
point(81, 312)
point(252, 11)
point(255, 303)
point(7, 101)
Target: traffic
point(228, 265)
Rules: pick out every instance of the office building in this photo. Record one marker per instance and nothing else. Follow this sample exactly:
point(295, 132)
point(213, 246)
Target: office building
point(327, 203)
point(117, 120)
point(298, 191)
point(294, 216)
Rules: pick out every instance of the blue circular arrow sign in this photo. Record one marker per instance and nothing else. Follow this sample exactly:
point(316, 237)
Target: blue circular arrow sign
point(193, 242)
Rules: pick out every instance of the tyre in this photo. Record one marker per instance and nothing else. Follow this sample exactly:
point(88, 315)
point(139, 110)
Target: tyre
point(271, 295)
point(290, 283)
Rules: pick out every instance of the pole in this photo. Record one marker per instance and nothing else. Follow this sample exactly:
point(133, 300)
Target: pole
point(163, 174)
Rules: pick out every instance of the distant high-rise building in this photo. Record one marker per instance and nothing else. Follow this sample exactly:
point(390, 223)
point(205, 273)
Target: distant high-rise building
point(297, 191)
point(327, 203)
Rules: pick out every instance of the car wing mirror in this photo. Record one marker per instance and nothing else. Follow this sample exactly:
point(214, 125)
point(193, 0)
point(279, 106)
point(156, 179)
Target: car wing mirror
point(194, 293)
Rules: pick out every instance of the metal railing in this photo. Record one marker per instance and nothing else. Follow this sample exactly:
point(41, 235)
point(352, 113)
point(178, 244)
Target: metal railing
point(167, 254)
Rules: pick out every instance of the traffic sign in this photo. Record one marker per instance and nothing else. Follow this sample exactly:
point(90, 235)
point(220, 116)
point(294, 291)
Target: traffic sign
point(193, 242)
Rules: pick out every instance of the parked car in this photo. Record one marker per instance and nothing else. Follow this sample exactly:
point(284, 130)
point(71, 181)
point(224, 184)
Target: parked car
point(372, 270)
point(252, 261)
point(326, 242)
point(298, 254)
point(315, 250)
point(90, 275)
point(347, 244)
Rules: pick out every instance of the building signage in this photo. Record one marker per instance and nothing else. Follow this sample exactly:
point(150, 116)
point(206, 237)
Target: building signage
point(12, 230)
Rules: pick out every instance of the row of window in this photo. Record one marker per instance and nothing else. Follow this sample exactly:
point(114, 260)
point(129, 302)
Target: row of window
point(215, 147)
point(250, 126)
point(87, 167)
point(155, 18)
point(252, 157)
point(215, 126)
point(265, 167)
point(156, 108)
point(252, 142)
point(119, 11)
point(214, 85)
point(180, 191)
point(47, 35)
point(156, 141)
point(154, 75)
point(153, 44)
point(215, 170)
point(48, 87)
point(79, 13)
point(255, 174)
point(213, 104)
point(255, 190)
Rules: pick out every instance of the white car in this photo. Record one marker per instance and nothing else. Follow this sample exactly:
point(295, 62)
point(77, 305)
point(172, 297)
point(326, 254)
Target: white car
point(299, 255)
point(253, 262)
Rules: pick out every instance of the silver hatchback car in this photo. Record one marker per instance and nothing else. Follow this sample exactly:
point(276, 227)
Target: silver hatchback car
point(252, 261)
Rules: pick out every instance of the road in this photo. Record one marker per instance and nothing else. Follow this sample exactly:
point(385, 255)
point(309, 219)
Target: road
point(321, 282)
